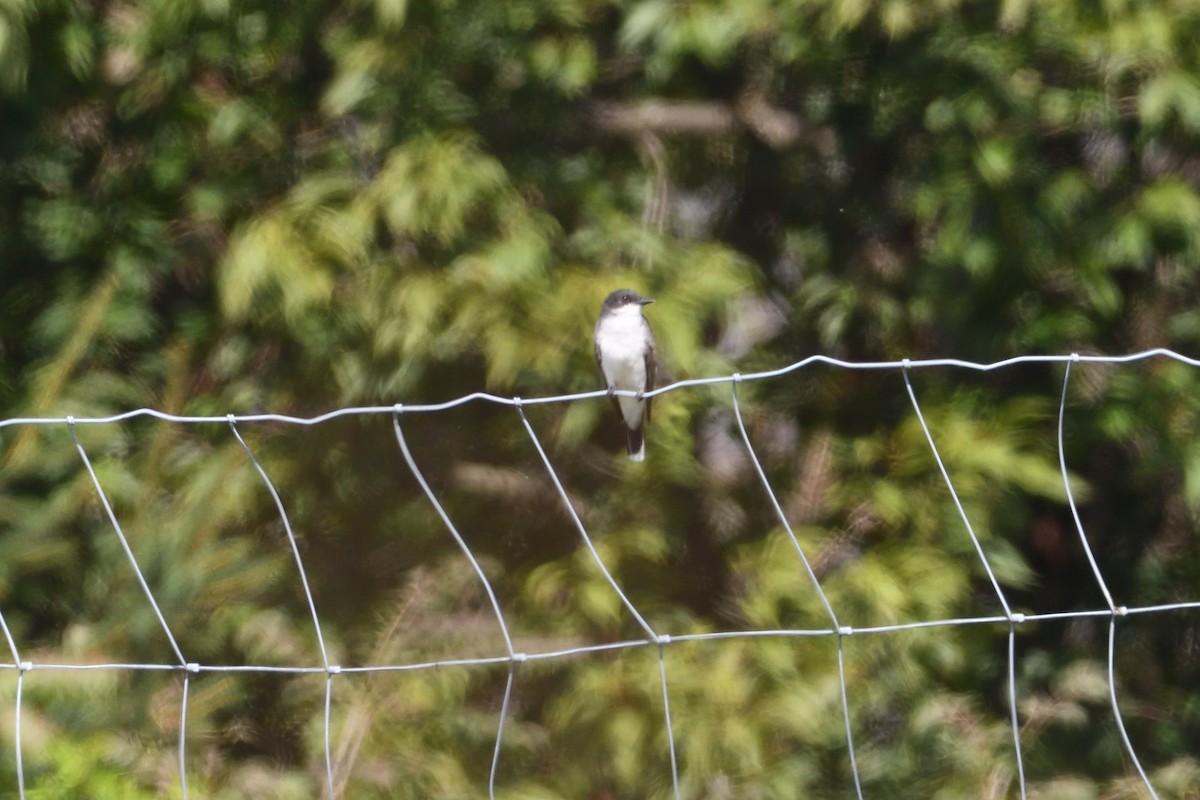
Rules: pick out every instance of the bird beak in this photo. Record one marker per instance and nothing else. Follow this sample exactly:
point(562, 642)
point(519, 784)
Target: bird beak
point(645, 301)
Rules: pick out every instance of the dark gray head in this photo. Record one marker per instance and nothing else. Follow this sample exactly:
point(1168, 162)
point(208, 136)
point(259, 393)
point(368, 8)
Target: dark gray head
point(623, 298)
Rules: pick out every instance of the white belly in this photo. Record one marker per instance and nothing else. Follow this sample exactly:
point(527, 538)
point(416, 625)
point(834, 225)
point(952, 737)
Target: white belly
point(623, 351)
point(622, 341)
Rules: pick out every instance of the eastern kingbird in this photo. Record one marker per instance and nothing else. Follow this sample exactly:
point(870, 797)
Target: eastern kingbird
point(625, 354)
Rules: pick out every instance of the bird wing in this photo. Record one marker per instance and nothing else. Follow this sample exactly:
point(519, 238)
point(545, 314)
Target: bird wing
point(651, 365)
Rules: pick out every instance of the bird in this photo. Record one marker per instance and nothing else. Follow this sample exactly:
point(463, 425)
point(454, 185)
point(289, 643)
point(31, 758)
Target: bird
point(625, 353)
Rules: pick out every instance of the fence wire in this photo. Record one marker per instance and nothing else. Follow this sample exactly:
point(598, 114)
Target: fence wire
point(659, 640)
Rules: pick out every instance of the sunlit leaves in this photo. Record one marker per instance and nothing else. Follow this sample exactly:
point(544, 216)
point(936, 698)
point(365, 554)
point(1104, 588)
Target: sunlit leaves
point(65, 228)
point(1171, 94)
point(430, 186)
point(272, 255)
point(570, 63)
point(238, 118)
point(1173, 208)
point(14, 45)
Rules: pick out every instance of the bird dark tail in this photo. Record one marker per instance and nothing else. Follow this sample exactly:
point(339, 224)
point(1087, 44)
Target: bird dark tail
point(637, 444)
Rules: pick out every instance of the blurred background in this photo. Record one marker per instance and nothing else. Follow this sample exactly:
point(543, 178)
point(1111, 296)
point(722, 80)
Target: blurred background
point(212, 207)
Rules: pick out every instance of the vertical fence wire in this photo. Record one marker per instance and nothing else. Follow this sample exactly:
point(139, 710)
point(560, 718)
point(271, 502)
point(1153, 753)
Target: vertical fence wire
point(1062, 463)
point(182, 747)
point(666, 695)
point(508, 687)
point(583, 534)
point(162, 620)
point(812, 576)
point(962, 513)
point(466, 551)
point(16, 656)
point(587, 540)
point(308, 595)
point(1116, 610)
point(133, 562)
point(1013, 715)
point(22, 668)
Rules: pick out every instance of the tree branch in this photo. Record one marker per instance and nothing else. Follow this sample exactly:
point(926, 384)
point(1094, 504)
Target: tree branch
point(776, 127)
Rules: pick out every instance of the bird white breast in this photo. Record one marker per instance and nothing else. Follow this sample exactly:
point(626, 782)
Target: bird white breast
point(621, 336)
point(622, 341)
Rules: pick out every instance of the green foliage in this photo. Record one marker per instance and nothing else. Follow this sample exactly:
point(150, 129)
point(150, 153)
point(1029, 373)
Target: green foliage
point(85, 767)
point(216, 207)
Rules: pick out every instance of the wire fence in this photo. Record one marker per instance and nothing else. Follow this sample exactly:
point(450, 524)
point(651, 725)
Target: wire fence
point(653, 638)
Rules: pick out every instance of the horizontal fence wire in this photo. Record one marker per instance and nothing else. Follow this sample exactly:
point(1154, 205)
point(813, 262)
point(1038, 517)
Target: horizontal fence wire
point(417, 408)
point(1009, 620)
